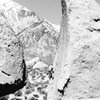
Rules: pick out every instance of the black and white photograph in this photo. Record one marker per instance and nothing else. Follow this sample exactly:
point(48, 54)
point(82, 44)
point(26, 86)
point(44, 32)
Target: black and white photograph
point(49, 49)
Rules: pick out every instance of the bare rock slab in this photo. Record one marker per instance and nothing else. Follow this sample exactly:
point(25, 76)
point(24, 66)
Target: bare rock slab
point(78, 70)
point(12, 64)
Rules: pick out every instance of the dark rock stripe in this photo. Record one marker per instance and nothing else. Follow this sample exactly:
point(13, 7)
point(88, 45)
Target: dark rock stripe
point(6, 89)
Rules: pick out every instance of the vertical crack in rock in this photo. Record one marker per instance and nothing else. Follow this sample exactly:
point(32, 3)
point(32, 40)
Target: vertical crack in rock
point(64, 87)
point(61, 54)
point(79, 28)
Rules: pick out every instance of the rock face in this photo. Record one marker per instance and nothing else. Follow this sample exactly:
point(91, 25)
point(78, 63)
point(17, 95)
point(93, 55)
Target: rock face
point(78, 76)
point(12, 64)
point(38, 36)
point(23, 36)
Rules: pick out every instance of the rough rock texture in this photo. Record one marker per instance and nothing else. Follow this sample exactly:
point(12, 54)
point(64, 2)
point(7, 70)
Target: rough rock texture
point(24, 36)
point(12, 64)
point(59, 61)
point(37, 35)
point(79, 74)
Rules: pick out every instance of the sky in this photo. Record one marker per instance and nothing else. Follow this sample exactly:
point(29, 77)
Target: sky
point(98, 1)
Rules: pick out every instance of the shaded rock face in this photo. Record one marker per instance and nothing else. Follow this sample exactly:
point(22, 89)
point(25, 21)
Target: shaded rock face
point(79, 78)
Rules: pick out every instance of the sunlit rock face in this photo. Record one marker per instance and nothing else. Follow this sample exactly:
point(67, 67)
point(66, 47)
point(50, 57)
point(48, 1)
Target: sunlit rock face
point(12, 64)
point(84, 46)
point(38, 36)
point(23, 37)
point(79, 78)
